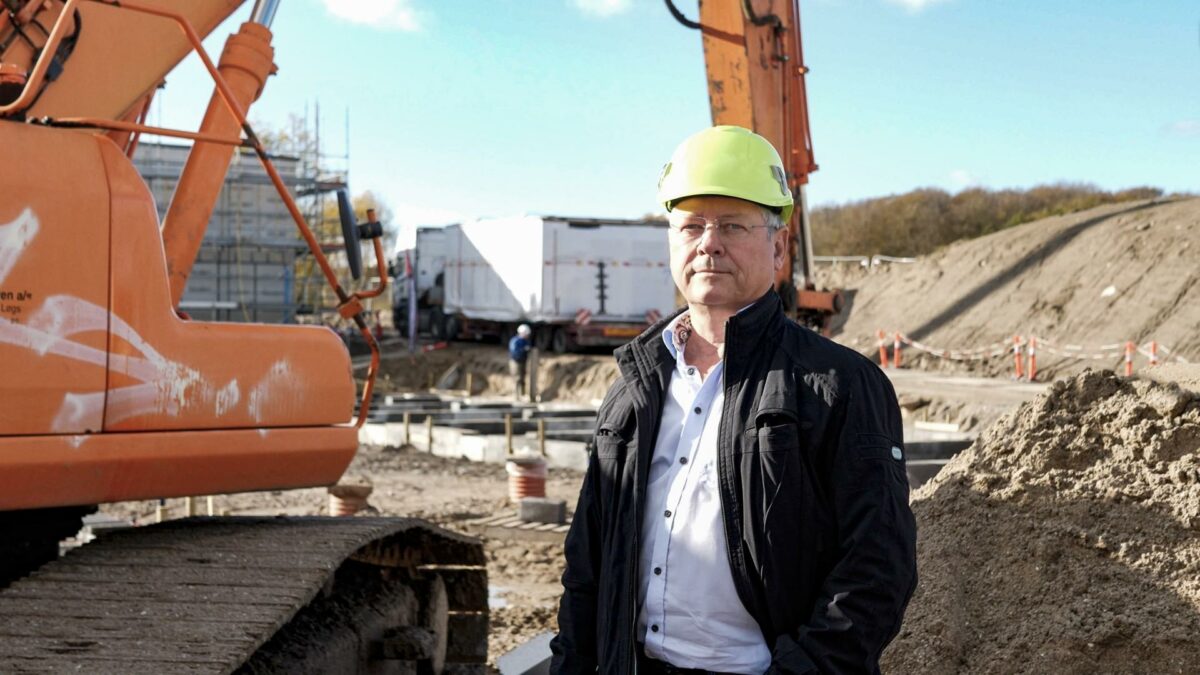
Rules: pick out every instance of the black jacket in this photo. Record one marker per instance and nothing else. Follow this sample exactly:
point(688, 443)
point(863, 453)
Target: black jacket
point(822, 543)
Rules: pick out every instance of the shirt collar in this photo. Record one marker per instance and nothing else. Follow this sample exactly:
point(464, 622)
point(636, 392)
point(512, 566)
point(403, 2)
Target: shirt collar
point(676, 334)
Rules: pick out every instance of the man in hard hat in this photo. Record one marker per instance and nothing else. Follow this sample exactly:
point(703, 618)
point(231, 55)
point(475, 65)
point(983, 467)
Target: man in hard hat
point(745, 507)
point(518, 355)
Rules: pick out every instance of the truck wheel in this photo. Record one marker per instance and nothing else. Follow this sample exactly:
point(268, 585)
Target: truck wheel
point(451, 327)
point(562, 341)
point(437, 325)
point(542, 337)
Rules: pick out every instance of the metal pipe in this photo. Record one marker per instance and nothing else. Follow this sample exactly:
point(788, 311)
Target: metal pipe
point(264, 12)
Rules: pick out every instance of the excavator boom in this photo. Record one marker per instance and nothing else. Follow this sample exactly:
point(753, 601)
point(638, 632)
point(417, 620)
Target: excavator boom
point(754, 61)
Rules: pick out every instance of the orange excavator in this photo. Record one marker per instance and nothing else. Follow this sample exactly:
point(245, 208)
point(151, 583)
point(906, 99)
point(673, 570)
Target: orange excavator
point(108, 392)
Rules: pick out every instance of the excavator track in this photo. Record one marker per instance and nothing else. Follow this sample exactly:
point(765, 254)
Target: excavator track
point(244, 594)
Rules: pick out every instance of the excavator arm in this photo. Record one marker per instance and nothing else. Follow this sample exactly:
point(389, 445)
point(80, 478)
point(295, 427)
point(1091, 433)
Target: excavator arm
point(754, 62)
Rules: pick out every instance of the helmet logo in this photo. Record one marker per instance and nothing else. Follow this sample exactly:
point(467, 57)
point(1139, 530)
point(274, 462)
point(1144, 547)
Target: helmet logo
point(777, 171)
point(663, 174)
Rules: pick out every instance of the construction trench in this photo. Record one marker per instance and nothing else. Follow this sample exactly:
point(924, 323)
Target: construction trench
point(1059, 519)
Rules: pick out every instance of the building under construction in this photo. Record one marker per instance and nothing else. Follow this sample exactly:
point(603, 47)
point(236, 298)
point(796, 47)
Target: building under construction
point(252, 264)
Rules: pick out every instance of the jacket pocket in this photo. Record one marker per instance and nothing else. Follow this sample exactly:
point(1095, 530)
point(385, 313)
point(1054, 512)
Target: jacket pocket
point(611, 450)
point(878, 458)
point(778, 456)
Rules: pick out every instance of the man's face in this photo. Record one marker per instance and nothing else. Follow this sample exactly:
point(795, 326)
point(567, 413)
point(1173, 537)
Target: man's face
point(723, 267)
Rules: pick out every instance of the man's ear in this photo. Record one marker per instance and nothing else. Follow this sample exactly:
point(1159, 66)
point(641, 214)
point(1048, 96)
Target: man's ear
point(780, 243)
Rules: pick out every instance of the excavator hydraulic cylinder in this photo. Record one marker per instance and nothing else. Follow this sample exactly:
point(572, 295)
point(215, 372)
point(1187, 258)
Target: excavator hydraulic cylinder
point(246, 62)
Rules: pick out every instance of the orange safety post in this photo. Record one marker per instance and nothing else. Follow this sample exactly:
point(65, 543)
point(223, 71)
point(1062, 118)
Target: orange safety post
point(1153, 353)
point(1017, 355)
point(896, 351)
point(1032, 358)
point(1129, 347)
point(883, 355)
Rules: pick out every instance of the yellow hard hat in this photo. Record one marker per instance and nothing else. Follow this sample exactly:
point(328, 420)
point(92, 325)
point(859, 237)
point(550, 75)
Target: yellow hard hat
point(729, 161)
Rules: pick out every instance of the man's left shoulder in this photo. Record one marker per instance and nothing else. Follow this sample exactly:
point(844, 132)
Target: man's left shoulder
point(828, 369)
point(810, 351)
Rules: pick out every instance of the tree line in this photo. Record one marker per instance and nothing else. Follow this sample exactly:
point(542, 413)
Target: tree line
point(919, 222)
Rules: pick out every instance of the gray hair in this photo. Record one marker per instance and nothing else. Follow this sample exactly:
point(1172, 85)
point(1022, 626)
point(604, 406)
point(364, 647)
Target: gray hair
point(772, 219)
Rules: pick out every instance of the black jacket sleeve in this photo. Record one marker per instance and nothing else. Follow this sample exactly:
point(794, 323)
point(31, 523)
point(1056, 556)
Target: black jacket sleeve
point(862, 600)
point(574, 647)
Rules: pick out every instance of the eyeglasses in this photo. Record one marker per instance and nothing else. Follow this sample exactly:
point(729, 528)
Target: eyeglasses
point(728, 230)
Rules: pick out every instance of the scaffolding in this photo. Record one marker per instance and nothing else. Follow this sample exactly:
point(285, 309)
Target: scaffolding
point(252, 266)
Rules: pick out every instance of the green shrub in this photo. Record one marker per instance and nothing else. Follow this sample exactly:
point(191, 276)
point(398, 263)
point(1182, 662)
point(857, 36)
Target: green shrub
point(920, 221)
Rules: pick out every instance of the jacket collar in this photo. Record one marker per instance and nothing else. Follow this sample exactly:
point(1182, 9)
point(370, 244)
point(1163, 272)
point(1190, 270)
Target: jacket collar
point(743, 331)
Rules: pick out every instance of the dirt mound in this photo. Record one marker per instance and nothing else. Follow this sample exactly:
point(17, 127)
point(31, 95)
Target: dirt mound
point(1099, 277)
point(1066, 540)
point(573, 378)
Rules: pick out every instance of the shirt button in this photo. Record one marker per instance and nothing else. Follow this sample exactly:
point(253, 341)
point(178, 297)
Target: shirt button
point(654, 628)
point(697, 410)
point(667, 513)
point(691, 371)
point(683, 460)
point(658, 570)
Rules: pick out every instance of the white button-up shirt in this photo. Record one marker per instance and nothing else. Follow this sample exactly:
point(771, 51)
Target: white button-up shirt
point(690, 614)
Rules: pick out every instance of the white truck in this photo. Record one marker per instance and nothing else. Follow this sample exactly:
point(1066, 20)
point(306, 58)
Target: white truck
point(578, 282)
point(423, 265)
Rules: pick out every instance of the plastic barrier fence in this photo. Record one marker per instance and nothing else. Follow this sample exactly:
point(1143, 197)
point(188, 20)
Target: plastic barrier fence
point(1024, 349)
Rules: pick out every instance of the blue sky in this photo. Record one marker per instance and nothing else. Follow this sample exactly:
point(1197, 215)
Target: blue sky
point(495, 107)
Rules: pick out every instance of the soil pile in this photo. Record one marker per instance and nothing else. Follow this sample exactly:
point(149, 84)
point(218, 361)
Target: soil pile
point(1099, 277)
point(572, 378)
point(1066, 540)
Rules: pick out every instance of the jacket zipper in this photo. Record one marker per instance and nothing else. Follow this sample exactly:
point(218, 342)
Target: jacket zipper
point(643, 442)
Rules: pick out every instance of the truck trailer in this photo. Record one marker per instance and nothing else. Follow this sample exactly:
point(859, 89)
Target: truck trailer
point(577, 282)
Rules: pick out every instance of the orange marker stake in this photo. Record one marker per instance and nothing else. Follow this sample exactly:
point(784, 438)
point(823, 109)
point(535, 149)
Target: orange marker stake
point(883, 356)
point(896, 351)
point(1153, 353)
point(1129, 359)
point(1032, 359)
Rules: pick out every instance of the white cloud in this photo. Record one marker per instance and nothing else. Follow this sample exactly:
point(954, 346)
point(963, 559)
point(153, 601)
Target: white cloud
point(961, 178)
point(408, 217)
point(1184, 128)
point(915, 6)
point(603, 8)
point(380, 14)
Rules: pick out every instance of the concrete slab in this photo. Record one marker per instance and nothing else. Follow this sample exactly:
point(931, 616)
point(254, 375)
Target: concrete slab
point(542, 510)
point(531, 658)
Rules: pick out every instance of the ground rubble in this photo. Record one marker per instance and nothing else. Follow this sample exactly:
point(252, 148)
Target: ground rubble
point(1066, 540)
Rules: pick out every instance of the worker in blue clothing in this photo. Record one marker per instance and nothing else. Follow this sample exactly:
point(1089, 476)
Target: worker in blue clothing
point(518, 354)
